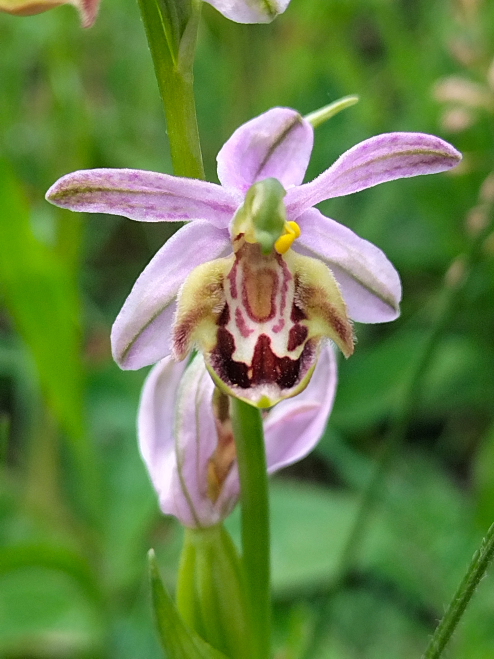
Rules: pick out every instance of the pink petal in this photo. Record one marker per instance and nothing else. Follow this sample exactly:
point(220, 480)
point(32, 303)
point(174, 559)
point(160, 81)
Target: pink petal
point(294, 426)
point(142, 331)
point(144, 196)
point(88, 10)
point(250, 11)
point(177, 438)
point(368, 281)
point(382, 158)
point(155, 427)
point(277, 144)
point(196, 439)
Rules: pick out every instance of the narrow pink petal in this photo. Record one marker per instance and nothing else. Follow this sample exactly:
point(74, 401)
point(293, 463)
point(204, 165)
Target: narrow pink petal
point(382, 158)
point(144, 196)
point(177, 438)
point(250, 11)
point(155, 428)
point(141, 333)
point(368, 281)
point(294, 426)
point(277, 144)
point(195, 442)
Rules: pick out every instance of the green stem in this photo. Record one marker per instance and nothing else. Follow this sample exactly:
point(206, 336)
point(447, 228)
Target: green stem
point(251, 456)
point(478, 567)
point(174, 72)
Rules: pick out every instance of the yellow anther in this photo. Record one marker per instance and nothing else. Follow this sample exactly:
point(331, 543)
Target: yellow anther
point(284, 242)
point(293, 227)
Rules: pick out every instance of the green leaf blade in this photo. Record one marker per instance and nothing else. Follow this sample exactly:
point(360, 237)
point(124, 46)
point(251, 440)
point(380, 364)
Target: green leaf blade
point(178, 641)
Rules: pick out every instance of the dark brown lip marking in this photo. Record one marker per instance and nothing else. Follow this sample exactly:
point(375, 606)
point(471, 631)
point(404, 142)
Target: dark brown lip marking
point(232, 372)
point(297, 335)
point(266, 368)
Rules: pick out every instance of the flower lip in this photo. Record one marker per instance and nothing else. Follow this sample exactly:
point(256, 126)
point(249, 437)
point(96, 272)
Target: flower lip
point(268, 379)
point(259, 320)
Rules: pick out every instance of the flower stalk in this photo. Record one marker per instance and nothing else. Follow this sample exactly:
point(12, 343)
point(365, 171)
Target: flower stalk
point(172, 41)
point(249, 440)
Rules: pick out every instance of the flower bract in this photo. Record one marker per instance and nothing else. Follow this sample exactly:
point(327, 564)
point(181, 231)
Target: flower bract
point(186, 439)
point(258, 278)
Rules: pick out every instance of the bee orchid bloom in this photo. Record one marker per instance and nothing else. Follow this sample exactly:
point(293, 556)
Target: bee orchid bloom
point(250, 11)
point(88, 9)
point(186, 438)
point(262, 278)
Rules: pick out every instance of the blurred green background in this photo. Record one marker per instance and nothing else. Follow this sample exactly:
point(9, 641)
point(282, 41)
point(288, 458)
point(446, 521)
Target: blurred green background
point(77, 513)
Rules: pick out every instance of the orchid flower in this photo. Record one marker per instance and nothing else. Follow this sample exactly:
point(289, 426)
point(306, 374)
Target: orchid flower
point(261, 276)
point(88, 9)
point(250, 11)
point(186, 438)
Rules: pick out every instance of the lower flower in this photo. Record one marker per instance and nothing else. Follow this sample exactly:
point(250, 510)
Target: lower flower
point(186, 438)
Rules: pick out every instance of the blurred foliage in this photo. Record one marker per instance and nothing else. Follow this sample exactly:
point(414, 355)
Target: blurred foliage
point(77, 511)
